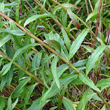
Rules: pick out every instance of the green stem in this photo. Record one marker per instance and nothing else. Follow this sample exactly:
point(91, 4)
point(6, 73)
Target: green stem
point(21, 68)
point(41, 42)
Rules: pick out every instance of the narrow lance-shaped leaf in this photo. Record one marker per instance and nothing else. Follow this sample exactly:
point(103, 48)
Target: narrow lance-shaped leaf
point(19, 89)
point(86, 97)
point(87, 81)
point(34, 17)
point(66, 39)
point(54, 71)
point(73, 17)
point(67, 104)
point(76, 44)
point(54, 43)
point(5, 39)
point(104, 83)
point(93, 58)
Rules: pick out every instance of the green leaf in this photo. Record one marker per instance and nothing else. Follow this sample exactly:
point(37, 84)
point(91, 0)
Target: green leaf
point(91, 15)
point(67, 104)
point(17, 32)
point(5, 69)
point(66, 39)
point(3, 23)
point(2, 7)
point(5, 39)
point(53, 90)
point(2, 102)
point(12, 3)
point(54, 71)
point(73, 17)
point(34, 17)
point(36, 60)
point(19, 89)
point(87, 81)
point(77, 43)
point(88, 94)
point(14, 104)
point(93, 58)
point(36, 105)
point(9, 107)
point(46, 59)
point(28, 93)
point(61, 69)
point(22, 50)
point(54, 43)
point(103, 83)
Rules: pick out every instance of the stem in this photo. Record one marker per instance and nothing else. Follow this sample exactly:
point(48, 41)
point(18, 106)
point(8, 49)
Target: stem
point(41, 42)
point(21, 68)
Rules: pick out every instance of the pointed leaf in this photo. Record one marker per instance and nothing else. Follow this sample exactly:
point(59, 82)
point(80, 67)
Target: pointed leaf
point(87, 81)
point(86, 97)
point(91, 15)
point(77, 43)
point(66, 39)
point(5, 39)
point(104, 83)
point(93, 58)
point(34, 17)
point(68, 105)
point(54, 71)
point(19, 89)
point(54, 43)
point(73, 17)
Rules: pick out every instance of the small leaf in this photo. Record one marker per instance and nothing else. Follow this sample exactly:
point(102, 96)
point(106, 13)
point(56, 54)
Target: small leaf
point(73, 17)
point(93, 58)
point(91, 15)
point(86, 97)
point(28, 93)
point(5, 69)
point(54, 43)
point(53, 90)
point(5, 39)
point(67, 104)
point(17, 32)
point(2, 102)
point(76, 44)
point(87, 81)
point(54, 71)
point(22, 50)
point(66, 39)
point(104, 83)
point(19, 89)
point(34, 17)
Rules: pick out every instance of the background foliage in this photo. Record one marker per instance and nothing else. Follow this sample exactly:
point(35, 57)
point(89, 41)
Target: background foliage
point(54, 55)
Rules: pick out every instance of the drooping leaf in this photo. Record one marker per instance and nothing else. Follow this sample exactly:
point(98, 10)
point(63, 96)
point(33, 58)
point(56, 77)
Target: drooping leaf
point(93, 58)
point(34, 17)
point(54, 71)
point(2, 102)
point(22, 50)
point(36, 105)
point(86, 97)
point(74, 19)
point(67, 104)
point(17, 32)
point(28, 93)
point(87, 81)
point(77, 43)
point(19, 89)
point(54, 44)
point(91, 15)
point(104, 83)
point(5, 39)
point(66, 39)
point(53, 90)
